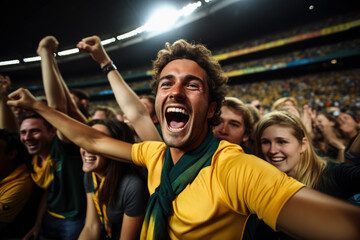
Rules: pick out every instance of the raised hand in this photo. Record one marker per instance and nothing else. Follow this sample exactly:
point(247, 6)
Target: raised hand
point(22, 98)
point(47, 44)
point(93, 46)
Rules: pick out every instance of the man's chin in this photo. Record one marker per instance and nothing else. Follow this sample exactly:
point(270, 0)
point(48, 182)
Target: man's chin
point(33, 151)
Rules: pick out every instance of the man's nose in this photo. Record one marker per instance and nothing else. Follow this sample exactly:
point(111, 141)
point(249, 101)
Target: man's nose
point(177, 91)
point(224, 128)
point(27, 136)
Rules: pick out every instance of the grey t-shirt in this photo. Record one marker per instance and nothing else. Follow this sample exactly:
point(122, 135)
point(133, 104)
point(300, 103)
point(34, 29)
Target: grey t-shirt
point(131, 199)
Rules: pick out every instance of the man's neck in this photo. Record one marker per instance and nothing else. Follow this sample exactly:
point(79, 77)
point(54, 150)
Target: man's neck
point(176, 154)
point(42, 158)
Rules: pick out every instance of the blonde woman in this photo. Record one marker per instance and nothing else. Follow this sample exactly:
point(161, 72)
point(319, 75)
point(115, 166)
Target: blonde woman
point(282, 140)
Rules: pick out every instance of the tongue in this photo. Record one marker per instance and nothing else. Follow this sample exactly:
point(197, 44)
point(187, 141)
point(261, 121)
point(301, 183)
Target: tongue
point(175, 124)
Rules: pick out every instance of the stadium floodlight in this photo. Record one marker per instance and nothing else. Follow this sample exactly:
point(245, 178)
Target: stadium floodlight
point(9, 62)
point(108, 41)
point(188, 9)
point(162, 19)
point(32, 59)
point(68, 52)
point(131, 33)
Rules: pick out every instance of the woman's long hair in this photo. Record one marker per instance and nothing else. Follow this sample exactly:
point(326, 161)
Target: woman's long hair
point(114, 170)
point(310, 166)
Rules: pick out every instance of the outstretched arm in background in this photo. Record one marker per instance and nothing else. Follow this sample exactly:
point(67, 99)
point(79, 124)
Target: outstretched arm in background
point(127, 99)
point(82, 135)
point(56, 91)
point(309, 214)
point(7, 117)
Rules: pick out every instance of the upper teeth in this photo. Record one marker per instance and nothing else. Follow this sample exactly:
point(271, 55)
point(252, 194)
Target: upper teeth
point(175, 109)
point(277, 159)
point(88, 158)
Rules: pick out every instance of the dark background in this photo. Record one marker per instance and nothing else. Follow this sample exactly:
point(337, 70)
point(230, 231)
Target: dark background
point(24, 23)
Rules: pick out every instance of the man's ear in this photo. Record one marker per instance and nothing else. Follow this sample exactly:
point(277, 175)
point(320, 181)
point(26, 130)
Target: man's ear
point(245, 138)
point(53, 131)
point(211, 109)
point(84, 102)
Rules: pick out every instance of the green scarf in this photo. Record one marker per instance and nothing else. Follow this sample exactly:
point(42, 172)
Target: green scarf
point(174, 179)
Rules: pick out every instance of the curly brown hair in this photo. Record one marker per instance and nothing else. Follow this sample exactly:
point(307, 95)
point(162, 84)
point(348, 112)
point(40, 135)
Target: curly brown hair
point(181, 49)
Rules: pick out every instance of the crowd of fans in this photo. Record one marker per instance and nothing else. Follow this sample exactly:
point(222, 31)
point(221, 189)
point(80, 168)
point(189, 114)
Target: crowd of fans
point(75, 167)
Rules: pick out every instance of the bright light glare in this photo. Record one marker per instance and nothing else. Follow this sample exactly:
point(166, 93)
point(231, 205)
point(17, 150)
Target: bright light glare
point(9, 62)
point(68, 52)
point(162, 20)
point(131, 33)
point(32, 59)
point(108, 41)
point(185, 11)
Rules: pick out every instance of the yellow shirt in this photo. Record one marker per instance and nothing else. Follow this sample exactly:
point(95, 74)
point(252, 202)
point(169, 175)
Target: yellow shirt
point(218, 202)
point(15, 190)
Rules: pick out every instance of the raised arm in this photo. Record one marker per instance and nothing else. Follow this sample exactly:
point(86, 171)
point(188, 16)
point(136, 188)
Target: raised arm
point(352, 155)
point(7, 117)
point(80, 134)
point(313, 215)
point(56, 91)
point(127, 99)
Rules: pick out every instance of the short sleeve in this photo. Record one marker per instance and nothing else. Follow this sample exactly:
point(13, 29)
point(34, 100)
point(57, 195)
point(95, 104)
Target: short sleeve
point(14, 195)
point(251, 185)
point(88, 184)
point(135, 196)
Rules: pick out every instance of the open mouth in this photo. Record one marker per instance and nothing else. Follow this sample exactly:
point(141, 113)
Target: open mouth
point(176, 118)
point(31, 145)
point(277, 159)
point(90, 158)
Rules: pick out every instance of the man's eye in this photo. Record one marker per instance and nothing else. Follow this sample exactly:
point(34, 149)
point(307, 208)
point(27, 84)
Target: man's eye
point(164, 84)
point(193, 85)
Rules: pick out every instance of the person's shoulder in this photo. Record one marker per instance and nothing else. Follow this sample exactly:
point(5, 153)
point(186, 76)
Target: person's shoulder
point(227, 150)
point(59, 147)
point(133, 181)
point(154, 146)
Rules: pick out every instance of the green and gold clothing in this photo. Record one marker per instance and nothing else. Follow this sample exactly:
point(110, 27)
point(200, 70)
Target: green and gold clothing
point(62, 177)
point(218, 202)
point(15, 191)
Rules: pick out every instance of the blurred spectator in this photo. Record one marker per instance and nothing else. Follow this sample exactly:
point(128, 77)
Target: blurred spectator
point(104, 112)
point(348, 123)
point(285, 101)
point(81, 99)
point(283, 141)
point(116, 191)
point(56, 162)
point(236, 123)
point(16, 185)
point(256, 103)
point(149, 102)
point(250, 143)
point(329, 139)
